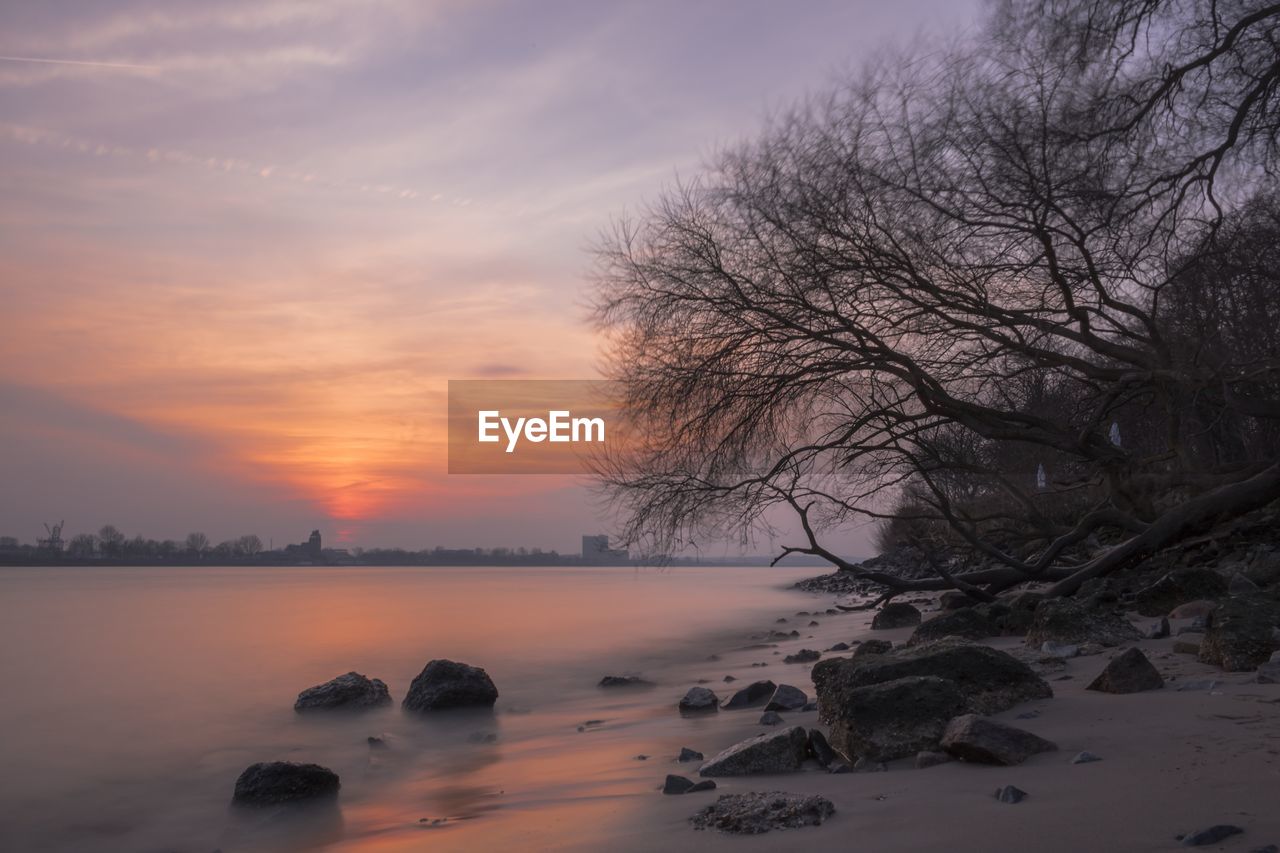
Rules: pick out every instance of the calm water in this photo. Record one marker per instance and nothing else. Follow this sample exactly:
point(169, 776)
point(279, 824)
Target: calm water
point(134, 697)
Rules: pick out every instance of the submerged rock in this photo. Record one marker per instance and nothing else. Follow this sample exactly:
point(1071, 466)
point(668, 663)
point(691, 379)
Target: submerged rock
point(1070, 622)
point(687, 754)
point(895, 614)
point(676, 784)
point(753, 694)
point(624, 681)
point(803, 656)
point(773, 752)
point(753, 813)
point(984, 741)
point(352, 691)
point(698, 700)
point(787, 698)
point(1128, 672)
point(275, 783)
point(445, 684)
point(1085, 757)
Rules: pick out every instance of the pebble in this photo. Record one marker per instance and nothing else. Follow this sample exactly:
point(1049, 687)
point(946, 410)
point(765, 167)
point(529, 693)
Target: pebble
point(1010, 794)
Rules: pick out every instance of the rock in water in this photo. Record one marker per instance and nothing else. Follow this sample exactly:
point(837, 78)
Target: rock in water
point(1070, 622)
point(753, 694)
point(444, 684)
point(1239, 637)
point(1085, 757)
point(1179, 587)
point(1128, 672)
point(624, 681)
point(821, 750)
point(773, 752)
point(771, 718)
point(895, 719)
point(676, 784)
point(698, 700)
point(895, 614)
point(276, 783)
point(983, 741)
point(346, 692)
point(687, 754)
point(754, 813)
point(1010, 794)
point(803, 656)
point(967, 623)
point(1212, 835)
point(990, 680)
point(872, 647)
point(787, 698)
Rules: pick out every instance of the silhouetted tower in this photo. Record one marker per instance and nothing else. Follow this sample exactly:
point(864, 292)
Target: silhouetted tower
point(313, 544)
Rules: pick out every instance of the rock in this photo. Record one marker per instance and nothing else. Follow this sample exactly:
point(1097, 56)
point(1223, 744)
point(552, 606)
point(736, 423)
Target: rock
point(1158, 630)
point(954, 599)
point(867, 765)
point(1060, 650)
point(839, 647)
point(989, 680)
point(840, 767)
point(1198, 684)
point(770, 718)
point(967, 623)
point(813, 623)
point(1269, 673)
point(895, 614)
point(1066, 621)
point(821, 750)
point(728, 679)
point(698, 700)
point(753, 813)
point(1128, 672)
point(275, 783)
point(873, 647)
point(1212, 835)
point(1179, 587)
point(676, 784)
point(1006, 618)
point(703, 785)
point(624, 681)
point(444, 684)
point(1193, 609)
point(772, 752)
point(1264, 570)
point(1241, 585)
point(1239, 637)
point(894, 719)
point(803, 656)
point(1085, 757)
point(1010, 794)
point(810, 706)
point(753, 694)
point(983, 741)
point(351, 692)
point(642, 757)
point(931, 758)
point(787, 698)
point(1186, 647)
point(376, 742)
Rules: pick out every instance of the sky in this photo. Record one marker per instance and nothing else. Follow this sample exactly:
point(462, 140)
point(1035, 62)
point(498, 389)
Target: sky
point(245, 245)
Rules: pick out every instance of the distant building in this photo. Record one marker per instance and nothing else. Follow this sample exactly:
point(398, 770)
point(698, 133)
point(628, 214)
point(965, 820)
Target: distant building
point(596, 551)
point(309, 550)
point(313, 543)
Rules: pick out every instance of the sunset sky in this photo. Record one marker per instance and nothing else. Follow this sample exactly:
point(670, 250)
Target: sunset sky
point(244, 245)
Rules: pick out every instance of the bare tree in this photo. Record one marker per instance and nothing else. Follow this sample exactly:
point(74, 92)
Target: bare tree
point(961, 280)
point(196, 544)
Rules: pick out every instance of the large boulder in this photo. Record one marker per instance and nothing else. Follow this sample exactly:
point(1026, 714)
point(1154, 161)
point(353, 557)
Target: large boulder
point(444, 684)
point(352, 692)
point(872, 647)
point(754, 812)
point(276, 783)
point(1066, 621)
point(977, 739)
point(773, 752)
point(754, 693)
point(787, 698)
point(1240, 635)
point(895, 719)
point(698, 700)
point(989, 680)
point(1128, 672)
point(968, 623)
point(1178, 587)
point(895, 614)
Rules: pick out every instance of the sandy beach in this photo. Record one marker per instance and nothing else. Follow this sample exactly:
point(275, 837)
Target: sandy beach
point(1173, 761)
